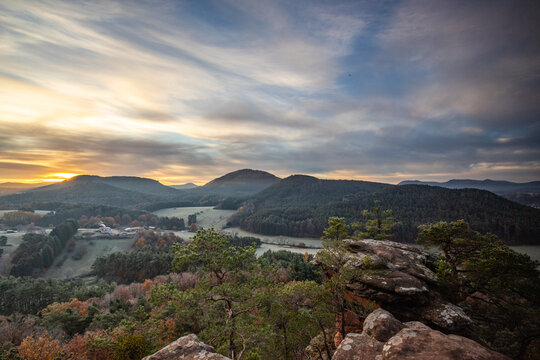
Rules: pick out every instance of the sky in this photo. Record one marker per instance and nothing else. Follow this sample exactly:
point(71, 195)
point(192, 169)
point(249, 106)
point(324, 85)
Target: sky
point(185, 91)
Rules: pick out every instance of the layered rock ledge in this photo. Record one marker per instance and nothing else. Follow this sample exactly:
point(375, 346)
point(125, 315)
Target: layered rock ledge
point(398, 277)
point(385, 338)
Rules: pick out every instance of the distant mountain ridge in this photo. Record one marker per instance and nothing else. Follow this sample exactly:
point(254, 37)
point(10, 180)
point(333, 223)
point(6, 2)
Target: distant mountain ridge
point(142, 193)
point(499, 187)
point(186, 186)
point(14, 187)
point(300, 205)
point(524, 193)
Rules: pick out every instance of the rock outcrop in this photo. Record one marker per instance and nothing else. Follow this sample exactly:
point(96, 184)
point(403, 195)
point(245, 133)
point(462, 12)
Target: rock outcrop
point(410, 340)
point(381, 325)
point(400, 278)
point(187, 348)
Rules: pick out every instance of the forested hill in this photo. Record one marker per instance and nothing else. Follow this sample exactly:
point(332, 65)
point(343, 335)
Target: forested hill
point(278, 211)
point(143, 193)
point(240, 183)
point(128, 192)
point(12, 187)
point(303, 190)
point(132, 183)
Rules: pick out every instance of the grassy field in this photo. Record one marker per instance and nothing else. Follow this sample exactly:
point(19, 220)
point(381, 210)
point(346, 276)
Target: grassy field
point(13, 240)
point(70, 267)
point(95, 248)
point(207, 217)
point(277, 239)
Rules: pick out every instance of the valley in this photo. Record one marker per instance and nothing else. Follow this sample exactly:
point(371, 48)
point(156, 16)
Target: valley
point(134, 233)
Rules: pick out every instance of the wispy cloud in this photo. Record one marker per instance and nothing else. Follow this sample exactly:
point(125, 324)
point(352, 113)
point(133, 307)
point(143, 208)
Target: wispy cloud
point(185, 91)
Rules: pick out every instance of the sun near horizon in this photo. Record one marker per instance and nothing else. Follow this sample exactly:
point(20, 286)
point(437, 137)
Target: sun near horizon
point(58, 177)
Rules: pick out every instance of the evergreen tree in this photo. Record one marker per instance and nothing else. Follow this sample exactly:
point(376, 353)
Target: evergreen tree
point(229, 277)
point(378, 225)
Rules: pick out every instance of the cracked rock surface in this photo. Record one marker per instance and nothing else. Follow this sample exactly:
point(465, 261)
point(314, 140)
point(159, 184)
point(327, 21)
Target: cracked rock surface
point(400, 278)
point(385, 338)
point(187, 348)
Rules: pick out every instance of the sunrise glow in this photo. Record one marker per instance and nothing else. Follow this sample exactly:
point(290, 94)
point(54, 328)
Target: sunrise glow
point(424, 92)
point(58, 177)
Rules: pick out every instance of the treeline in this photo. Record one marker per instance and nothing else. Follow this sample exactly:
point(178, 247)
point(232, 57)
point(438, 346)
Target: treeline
point(151, 238)
point(26, 295)
point(231, 203)
point(137, 265)
point(298, 267)
point(169, 204)
point(19, 217)
point(76, 211)
point(192, 197)
point(38, 251)
point(153, 256)
point(243, 241)
point(171, 223)
point(412, 205)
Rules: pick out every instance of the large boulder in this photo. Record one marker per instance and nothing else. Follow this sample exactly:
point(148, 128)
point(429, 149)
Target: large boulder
point(187, 348)
point(381, 325)
point(386, 338)
point(433, 344)
point(398, 277)
point(358, 347)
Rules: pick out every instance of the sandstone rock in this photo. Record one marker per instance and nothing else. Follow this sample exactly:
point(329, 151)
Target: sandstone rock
point(446, 316)
point(417, 325)
point(411, 340)
point(381, 325)
point(423, 344)
point(358, 347)
point(397, 256)
point(187, 348)
point(317, 349)
point(401, 280)
point(353, 323)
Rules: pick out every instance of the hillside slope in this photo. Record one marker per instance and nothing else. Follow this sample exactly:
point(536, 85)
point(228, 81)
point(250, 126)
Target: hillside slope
point(12, 187)
point(272, 212)
point(240, 183)
point(303, 190)
point(128, 192)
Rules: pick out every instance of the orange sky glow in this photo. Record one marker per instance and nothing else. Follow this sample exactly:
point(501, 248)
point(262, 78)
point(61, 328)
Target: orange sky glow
point(156, 90)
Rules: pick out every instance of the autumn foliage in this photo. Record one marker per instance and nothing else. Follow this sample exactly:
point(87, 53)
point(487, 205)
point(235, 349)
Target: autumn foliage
point(42, 348)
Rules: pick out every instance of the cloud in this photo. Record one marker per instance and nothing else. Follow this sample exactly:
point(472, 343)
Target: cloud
point(480, 59)
point(186, 91)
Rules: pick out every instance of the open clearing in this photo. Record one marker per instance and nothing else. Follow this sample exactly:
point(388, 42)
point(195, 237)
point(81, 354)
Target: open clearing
point(70, 267)
point(95, 248)
point(13, 240)
point(207, 216)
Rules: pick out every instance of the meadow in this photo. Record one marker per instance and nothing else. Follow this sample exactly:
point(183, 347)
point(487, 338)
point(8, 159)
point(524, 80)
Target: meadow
point(207, 216)
point(65, 267)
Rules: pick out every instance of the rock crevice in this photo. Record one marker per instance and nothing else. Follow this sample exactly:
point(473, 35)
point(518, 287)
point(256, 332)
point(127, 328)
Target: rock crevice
point(386, 338)
point(401, 278)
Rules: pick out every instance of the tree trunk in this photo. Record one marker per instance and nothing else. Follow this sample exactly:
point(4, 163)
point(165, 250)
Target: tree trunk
point(324, 339)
